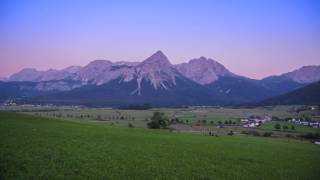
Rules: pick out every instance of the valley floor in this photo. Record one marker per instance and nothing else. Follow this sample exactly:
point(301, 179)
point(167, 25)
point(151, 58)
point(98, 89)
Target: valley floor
point(33, 147)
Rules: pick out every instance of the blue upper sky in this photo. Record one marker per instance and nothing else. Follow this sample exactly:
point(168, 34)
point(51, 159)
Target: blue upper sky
point(255, 38)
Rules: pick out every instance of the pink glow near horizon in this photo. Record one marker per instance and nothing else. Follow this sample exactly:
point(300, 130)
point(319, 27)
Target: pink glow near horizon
point(242, 35)
point(242, 64)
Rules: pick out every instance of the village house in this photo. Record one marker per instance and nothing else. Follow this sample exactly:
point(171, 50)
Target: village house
point(255, 121)
point(305, 123)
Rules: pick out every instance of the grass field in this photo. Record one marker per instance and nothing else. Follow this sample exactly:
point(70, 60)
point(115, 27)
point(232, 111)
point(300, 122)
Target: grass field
point(41, 148)
point(192, 115)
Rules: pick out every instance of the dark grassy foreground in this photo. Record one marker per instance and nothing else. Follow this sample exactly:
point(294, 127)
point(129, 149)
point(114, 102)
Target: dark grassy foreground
point(38, 148)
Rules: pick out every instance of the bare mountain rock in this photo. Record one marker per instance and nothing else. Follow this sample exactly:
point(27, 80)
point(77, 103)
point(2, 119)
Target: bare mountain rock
point(306, 74)
point(156, 70)
point(203, 70)
point(33, 75)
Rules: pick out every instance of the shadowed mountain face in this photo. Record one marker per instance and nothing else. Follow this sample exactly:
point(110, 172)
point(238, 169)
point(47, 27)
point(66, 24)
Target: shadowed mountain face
point(155, 81)
point(118, 93)
point(308, 95)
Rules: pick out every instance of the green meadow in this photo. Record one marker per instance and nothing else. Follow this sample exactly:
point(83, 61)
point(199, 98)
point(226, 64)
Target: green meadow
point(45, 148)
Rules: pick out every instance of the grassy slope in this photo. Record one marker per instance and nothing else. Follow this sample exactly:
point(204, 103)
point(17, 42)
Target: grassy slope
point(33, 147)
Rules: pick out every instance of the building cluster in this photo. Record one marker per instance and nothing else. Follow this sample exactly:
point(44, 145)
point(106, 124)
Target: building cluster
point(305, 123)
point(255, 121)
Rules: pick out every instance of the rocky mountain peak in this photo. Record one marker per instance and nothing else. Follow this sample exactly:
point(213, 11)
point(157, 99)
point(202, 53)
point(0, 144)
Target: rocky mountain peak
point(156, 70)
point(72, 69)
point(29, 70)
point(99, 63)
point(305, 74)
point(26, 74)
point(93, 70)
point(157, 59)
point(31, 74)
point(203, 70)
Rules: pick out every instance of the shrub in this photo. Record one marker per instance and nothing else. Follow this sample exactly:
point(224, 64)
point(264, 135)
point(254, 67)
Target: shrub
point(244, 132)
point(267, 134)
point(292, 127)
point(275, 118)
point(99, 118)
point(289, 136)
point(277, 126)
point(308, 119)
point(230, 133)
point(254, 133)
point(287, 119)
point(153, 125)
point(311, 136)
point(158, 120)
point(173, 121)
point(130, 125)
point(284, 127)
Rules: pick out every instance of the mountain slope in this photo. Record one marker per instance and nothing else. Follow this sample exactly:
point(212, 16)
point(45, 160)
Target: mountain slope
point(240, 89)
point(309, 94)
point(280, 85)
point(119, 93)
point(25, 90)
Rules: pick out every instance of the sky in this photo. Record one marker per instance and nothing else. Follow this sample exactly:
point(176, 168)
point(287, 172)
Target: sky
point(254, 38)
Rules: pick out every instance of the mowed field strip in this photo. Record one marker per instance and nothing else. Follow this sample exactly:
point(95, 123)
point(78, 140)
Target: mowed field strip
point(43, 148)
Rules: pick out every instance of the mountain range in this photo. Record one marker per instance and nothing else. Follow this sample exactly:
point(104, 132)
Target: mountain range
point(200, 81)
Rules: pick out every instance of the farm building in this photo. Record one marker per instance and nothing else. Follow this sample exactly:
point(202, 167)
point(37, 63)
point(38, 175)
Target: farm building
point(255, 121)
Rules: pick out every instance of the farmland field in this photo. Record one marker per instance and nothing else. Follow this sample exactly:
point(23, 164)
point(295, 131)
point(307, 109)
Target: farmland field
point(190, 115)
point(33, 147)
point(193, 119)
